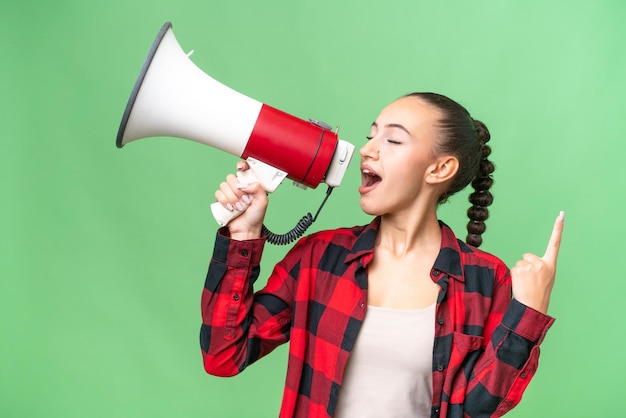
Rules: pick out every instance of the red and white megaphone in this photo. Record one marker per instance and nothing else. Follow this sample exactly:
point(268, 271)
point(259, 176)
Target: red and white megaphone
point(173, 97)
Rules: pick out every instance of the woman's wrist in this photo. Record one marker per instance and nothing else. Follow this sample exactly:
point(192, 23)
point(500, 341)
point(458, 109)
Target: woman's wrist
point(246, 235)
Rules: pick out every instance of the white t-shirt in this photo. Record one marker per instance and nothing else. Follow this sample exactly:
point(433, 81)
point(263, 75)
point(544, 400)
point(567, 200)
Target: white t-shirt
point(389, 372)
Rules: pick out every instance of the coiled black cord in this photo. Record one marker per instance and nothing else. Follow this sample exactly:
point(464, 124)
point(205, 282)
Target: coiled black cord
point(297, 231)
point(287, 238)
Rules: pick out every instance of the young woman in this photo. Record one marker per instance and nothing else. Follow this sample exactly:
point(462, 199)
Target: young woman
point(397, 318)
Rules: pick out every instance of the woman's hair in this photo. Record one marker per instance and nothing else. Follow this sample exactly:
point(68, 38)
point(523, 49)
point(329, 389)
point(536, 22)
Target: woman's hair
point(466, 139)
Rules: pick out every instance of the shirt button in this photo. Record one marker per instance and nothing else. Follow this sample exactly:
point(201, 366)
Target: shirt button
point(440, 367)
point(523, 375)
point(440, 321)
point(435, 273)
point(244, 253)
point(235, 297)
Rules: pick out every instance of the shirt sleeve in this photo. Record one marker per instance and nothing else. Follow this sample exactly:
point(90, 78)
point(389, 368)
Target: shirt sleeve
point(510, 358)
point(239, 327)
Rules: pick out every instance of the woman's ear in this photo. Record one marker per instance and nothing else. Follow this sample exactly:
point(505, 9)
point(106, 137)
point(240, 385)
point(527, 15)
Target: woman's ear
point(444, 169)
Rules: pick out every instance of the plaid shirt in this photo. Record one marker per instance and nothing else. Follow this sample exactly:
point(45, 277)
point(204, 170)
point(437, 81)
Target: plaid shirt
point(486, 345)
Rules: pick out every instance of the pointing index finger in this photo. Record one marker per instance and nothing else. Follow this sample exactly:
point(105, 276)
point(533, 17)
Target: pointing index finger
point(555, 239)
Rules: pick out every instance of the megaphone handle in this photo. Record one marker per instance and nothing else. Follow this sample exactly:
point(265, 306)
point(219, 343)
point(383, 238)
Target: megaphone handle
point(222, 215)
point(269, 177)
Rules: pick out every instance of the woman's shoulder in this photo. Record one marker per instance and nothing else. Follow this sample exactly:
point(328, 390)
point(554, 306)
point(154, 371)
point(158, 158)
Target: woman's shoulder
point(480, 254)
point(482, 268)
point(339, 234)
point(328, 244)
point(471, 255)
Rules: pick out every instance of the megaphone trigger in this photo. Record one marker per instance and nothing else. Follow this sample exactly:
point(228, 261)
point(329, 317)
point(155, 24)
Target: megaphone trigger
point(269, 177)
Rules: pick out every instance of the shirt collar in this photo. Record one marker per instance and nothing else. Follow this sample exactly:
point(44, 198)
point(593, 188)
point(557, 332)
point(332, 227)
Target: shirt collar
point(448, 261)
point(364, 244)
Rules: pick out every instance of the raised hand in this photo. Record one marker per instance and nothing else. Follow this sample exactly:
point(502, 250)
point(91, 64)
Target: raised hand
point(533, 276)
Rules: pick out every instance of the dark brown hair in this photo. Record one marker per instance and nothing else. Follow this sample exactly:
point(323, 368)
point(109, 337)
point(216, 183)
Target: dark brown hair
point(466, 139)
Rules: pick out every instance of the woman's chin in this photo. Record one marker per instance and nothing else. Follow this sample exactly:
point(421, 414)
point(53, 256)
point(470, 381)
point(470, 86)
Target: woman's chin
point(368, 208)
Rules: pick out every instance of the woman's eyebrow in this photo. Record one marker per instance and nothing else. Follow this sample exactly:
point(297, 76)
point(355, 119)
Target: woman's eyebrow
point(392, 125)
point(397, 125)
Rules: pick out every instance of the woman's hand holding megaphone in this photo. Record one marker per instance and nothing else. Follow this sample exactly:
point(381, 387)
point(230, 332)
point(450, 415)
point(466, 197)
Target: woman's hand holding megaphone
point(250, 199)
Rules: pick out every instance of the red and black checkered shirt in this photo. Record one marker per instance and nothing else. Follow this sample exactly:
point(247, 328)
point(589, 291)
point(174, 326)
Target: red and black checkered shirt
point(486, 345)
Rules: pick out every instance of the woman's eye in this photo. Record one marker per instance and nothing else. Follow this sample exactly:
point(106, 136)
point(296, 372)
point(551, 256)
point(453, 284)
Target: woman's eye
point(391, 141)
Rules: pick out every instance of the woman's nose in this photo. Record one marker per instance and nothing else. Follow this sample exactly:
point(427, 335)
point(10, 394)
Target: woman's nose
point(369, 149)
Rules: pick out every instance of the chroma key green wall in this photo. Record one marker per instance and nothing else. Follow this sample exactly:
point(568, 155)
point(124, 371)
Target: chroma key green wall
point(103, 251)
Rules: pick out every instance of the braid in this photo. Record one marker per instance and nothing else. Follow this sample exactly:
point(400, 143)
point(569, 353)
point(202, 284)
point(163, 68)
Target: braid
point(481, 197)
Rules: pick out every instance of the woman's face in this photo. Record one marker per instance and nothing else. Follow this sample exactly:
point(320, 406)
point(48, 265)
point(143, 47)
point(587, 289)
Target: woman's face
point(398, 156)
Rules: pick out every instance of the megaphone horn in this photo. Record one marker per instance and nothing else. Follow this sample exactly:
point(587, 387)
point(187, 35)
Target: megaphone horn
point(173, 97)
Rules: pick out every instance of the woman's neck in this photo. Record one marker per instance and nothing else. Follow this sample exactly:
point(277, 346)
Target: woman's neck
point(407, 233)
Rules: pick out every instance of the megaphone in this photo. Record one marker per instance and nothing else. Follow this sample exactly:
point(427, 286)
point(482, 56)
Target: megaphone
point(173, 97)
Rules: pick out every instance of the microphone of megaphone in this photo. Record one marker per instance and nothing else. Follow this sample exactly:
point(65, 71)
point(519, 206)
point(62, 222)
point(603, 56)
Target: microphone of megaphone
point(173, 97)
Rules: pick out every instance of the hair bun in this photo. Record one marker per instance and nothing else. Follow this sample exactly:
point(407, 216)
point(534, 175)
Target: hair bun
point(483, 133)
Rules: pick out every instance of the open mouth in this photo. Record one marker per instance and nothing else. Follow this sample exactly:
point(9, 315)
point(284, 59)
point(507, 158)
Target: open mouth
point(369, 180)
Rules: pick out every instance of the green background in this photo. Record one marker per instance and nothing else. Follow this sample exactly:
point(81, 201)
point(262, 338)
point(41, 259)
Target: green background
point(103, 251)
